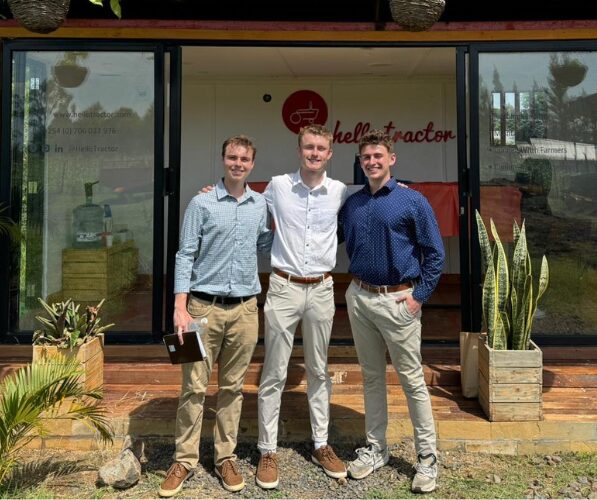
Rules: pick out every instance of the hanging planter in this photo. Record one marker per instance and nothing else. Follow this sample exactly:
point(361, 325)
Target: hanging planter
point(39, 16)
point(68, 72)
point(416, 15)
point(69, 75)
point(569, 72)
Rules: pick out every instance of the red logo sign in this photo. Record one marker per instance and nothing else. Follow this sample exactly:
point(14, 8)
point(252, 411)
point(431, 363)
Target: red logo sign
point(302, 108)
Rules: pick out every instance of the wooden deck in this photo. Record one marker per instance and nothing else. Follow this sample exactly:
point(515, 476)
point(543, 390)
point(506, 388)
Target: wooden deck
point(142, 391)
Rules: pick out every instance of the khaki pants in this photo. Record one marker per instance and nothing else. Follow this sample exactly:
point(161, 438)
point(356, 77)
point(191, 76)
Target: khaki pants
point(379, 322)
point(230, 338)
point(288, 303)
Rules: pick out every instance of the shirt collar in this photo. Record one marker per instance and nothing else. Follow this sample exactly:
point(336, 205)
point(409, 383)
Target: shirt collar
point(387, 187)
point(297, 179)
point(222, 192)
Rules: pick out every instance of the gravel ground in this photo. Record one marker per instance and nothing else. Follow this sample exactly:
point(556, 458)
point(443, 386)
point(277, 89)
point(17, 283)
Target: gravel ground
point(67, 474)
point(299, 477)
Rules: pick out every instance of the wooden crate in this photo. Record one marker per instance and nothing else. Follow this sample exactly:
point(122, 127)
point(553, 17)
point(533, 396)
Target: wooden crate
point(93, 274)
point(511, 383)
point(90, 355)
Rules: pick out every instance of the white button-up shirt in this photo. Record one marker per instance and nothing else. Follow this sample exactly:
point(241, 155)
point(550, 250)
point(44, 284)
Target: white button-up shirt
point(306, 220)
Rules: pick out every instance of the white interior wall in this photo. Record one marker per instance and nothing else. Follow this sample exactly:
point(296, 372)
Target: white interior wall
point(213, 110)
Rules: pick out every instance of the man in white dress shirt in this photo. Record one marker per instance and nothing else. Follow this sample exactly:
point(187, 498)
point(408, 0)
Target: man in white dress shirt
point(304, 206)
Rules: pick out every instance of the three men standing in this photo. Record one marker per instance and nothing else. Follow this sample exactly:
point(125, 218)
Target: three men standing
point(396, 258)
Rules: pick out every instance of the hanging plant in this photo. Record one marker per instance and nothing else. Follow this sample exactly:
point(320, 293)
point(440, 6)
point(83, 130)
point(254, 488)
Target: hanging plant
point(567, 72)
point(68, 72)
point(416, 15)
point(39, 16)
point(45, 16)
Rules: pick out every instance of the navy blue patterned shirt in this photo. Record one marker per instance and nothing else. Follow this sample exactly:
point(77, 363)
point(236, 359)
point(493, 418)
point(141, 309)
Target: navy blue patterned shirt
point(392, 237)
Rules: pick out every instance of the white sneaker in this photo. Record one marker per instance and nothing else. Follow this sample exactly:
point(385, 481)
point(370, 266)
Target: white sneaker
point(426, 474)
point(368, 459)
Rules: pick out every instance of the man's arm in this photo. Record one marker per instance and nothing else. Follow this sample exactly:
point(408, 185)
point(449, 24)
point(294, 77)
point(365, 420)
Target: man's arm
point(430, 242)
point(190, 240)
point(266, 234)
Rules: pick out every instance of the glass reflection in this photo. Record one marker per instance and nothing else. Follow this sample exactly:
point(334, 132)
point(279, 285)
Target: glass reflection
point(82, 174)
point(538, 137)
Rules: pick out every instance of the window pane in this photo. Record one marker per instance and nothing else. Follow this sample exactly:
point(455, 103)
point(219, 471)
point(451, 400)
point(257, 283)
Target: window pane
point(82, 175)
point(538, 134)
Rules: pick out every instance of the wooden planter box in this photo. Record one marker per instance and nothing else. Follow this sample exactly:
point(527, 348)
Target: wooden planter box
point(90, 355)
point(89, 275)
point(511, 383)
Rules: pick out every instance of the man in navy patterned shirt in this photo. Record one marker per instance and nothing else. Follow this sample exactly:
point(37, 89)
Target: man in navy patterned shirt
point(216, 278)
point(396, 259)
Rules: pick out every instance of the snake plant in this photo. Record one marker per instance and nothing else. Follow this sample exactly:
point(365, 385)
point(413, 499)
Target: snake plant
point(509, 304)
point(65, 327)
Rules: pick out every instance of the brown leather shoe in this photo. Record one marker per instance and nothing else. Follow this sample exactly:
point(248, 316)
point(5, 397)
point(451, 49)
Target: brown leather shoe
point(175, 477)
point(329, 462)
point(232, 479)
point(267, 471)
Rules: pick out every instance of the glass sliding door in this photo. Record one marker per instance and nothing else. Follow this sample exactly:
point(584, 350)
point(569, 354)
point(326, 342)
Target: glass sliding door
point(537, 162)
point(82, 162)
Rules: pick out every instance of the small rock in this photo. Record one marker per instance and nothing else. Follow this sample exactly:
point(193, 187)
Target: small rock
point(342, 481)
point(583, 480)
point(556, 459)
point(122, 472)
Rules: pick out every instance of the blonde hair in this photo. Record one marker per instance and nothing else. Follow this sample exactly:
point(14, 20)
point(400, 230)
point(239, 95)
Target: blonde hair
point(315, 129)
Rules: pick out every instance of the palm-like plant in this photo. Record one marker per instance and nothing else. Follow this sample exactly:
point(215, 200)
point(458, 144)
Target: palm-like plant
point(41, 391)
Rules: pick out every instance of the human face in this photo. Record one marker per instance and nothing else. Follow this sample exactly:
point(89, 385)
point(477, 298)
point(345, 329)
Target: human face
point(314, 153)
point(376, 161)
point(238, 163)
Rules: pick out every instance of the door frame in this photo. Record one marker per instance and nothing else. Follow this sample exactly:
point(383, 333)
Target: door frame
point(158, 49)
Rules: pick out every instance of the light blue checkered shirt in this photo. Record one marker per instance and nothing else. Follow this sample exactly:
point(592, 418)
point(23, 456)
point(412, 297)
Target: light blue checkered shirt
point(219, 240)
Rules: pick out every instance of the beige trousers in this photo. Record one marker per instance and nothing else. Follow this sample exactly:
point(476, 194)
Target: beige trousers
point(288, 303)
point(379, 322)
point(230, 338)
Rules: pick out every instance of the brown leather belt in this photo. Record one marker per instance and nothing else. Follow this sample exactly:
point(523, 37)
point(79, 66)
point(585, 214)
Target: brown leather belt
point(382, 288)
point(300, 279)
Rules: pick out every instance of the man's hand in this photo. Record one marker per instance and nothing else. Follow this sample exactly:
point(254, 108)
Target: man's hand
point(206, 189)
point(413, 306)
point(182, 320)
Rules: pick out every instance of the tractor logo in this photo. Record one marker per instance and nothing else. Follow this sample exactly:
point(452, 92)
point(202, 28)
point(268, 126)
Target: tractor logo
point(302, 108)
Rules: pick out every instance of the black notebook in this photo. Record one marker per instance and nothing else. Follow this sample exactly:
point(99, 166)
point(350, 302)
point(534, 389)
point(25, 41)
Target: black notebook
point(192, 350)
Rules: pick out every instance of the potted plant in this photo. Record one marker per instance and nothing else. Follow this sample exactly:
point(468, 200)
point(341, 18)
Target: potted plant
point(68, 333)
point(510, 363)
point(45, 16)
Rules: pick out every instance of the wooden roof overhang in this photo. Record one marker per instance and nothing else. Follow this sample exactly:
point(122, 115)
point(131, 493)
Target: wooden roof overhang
point(296, 32)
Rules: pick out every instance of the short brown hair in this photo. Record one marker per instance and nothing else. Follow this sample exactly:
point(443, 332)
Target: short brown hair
point(377, 138)
point(239, 140)
point(315, 129)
